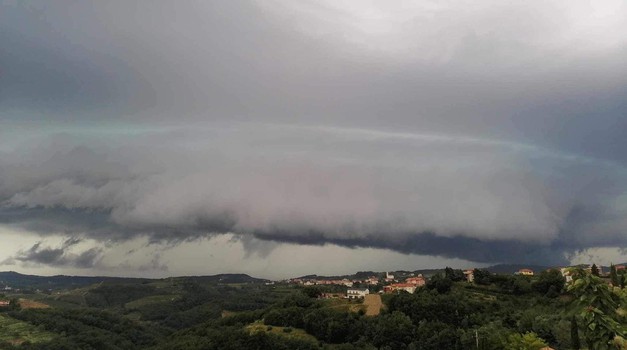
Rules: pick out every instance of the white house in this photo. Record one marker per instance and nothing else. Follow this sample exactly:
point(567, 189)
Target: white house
point(470, 275)
point(566, 273)
point(355, 293)
point(408, 287)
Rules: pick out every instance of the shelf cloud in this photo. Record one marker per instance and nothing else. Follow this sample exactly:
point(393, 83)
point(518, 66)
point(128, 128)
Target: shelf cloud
point(491, 131)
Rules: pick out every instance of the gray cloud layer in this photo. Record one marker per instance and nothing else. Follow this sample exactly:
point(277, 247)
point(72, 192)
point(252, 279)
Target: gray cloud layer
point(413, 193)
point(490, 131)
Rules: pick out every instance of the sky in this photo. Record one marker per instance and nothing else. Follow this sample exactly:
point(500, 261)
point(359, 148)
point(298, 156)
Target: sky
point(281, 138)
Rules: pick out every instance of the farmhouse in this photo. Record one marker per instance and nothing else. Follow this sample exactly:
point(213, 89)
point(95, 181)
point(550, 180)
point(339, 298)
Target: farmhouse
point(525, 272)
point(409, 288)
point(355, 293)
point(418, 281)
point(372, 280)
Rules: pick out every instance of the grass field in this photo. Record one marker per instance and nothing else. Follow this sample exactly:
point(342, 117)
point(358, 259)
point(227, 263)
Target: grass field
point(344, 305)
point(295, 333)
point(16, 332)
point(153, 299)
point(32, 304)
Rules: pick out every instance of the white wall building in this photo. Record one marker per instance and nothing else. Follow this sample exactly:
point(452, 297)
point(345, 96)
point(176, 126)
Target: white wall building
point(354, 293)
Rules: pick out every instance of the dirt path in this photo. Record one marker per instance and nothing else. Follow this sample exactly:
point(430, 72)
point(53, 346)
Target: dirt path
point(32, 304)
point(373, 304)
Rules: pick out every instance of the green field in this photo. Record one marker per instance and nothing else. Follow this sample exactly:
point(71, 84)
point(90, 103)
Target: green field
point(15, 331)
point(153, 299)
point(295, 333)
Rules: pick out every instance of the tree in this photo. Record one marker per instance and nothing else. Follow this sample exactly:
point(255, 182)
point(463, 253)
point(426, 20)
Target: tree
point(521, 286)
point(394, 329)
point(454, 275)
point(599, 308)
point(482, 276)
point(548, 279)
point(575, 343)
point(527, 341)
point(312, 292)
point(14, 304)
point(614, 276)
point(594, 270)
point(442, 284)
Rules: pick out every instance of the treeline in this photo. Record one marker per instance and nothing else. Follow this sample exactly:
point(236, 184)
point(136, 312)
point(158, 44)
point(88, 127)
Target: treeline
point(425, 320)
point(89, 329)
point(185, 304)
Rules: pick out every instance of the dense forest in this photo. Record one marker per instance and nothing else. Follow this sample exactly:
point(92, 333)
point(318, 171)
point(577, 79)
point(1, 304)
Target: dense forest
point(496, 311)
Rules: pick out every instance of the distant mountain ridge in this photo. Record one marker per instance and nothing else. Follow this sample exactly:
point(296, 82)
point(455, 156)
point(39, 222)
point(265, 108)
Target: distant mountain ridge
point(227, 278)
point(17, 280)
point(14, 280)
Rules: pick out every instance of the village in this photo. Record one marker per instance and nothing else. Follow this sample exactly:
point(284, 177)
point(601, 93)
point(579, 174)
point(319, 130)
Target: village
point(388, 283)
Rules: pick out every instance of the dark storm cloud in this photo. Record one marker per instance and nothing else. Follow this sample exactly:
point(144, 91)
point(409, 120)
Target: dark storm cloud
point(469, 198)
point(40, 255)
point(486, 131)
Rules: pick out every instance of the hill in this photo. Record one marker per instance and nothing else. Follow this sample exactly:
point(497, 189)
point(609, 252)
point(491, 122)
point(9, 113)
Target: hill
point(21, 281)
point(18, 280)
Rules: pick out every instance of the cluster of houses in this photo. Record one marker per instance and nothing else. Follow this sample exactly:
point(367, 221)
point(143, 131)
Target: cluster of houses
point(409, 285)
point(372, 280)
point(312, 282)
point(356, 289)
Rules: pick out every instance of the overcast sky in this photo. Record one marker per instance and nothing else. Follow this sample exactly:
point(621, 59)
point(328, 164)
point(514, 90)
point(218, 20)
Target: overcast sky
point(279, 138)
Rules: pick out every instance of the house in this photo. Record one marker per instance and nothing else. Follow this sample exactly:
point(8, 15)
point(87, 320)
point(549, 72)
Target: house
point(566, 274)
point(4, 303)
point(356, 293)
point(372, 280)
point(346, 282)
point(524, 272)
point(470, 275)
point(409, 288)
point(389, 277)
point(418, 281)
